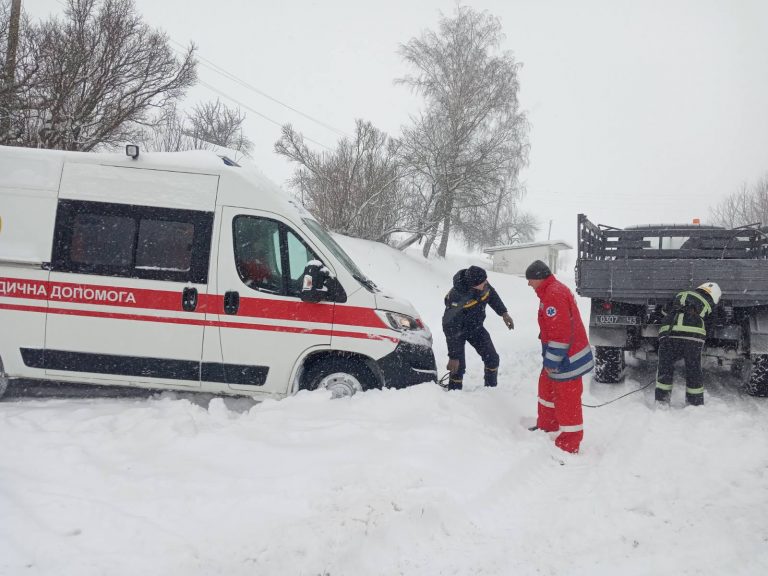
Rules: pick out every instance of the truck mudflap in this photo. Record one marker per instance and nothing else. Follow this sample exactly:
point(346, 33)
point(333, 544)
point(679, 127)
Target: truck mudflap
point(408, 364)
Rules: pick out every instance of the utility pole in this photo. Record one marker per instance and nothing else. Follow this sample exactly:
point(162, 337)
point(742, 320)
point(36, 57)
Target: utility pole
point(549, 232)
point(9, 73)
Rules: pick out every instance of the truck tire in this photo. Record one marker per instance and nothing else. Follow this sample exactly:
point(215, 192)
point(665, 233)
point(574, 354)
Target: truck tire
point(758, 379)
point(341, 376)
point(609, 364)
point(3, 380)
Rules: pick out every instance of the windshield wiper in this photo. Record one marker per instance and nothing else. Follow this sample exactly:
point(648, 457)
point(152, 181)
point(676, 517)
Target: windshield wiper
point(365, 282)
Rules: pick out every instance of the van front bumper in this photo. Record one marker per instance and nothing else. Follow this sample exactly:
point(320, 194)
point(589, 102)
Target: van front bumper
point(408, 364)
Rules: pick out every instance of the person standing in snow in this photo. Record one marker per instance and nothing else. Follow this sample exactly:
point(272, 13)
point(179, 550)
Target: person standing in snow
point(463, 322)
point(682, 335)
point(567, 356)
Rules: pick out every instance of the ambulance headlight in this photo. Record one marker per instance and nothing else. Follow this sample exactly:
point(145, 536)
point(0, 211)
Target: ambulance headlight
point(400, 322)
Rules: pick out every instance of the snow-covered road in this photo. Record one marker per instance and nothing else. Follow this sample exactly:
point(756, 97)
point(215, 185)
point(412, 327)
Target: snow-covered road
point(416, 481)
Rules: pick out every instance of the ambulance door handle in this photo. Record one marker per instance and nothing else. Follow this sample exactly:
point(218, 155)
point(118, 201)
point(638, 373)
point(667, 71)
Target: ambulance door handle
point(189, 299)
point(231, 302)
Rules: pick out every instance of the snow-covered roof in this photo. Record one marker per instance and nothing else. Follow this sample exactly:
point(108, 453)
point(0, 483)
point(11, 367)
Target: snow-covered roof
point(556, 244)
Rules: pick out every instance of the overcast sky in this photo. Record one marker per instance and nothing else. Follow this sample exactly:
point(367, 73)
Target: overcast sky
point(640, 111)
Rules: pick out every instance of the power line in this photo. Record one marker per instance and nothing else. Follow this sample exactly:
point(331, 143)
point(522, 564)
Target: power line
point(250, 109)
point(219, 70)
point(234, 78)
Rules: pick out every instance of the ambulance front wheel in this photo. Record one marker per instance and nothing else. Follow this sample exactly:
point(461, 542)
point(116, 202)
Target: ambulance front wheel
point(341, 376)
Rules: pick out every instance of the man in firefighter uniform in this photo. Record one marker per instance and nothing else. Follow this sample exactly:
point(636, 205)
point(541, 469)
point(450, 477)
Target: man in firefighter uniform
point(463, 322)
point(682, 335)
point(567, 357)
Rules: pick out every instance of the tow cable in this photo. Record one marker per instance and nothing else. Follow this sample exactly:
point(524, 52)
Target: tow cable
point(619, 397)
point(443, 383)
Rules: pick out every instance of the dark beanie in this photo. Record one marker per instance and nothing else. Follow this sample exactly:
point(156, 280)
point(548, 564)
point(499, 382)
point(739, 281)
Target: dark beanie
point(537, 271)
point(475, 275)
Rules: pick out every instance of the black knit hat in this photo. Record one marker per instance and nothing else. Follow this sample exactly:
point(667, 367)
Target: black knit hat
point(537, 271)
point(475, 275)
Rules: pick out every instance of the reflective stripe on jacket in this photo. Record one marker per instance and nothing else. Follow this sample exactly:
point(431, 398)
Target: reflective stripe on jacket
point(685, 315)
point(564, 341)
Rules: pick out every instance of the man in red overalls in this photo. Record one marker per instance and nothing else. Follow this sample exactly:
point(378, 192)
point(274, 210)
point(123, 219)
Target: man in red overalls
point(567, 356)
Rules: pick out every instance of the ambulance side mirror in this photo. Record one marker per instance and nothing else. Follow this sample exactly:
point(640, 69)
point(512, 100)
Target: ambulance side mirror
point(313, 284)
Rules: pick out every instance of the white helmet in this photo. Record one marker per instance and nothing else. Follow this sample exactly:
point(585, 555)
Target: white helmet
point(713, 290)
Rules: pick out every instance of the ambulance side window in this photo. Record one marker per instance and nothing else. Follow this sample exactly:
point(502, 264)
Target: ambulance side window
point(165, 245)
point(257, 253)
point(298, 256)
point(145, 242)
point(102, 240)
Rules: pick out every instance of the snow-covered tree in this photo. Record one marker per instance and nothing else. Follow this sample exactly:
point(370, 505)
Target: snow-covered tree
point(748, 205)
point(356, 189)
point(98, 74)
point(471, 139)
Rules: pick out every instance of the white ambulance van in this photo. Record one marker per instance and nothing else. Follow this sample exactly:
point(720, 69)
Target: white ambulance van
point(185, 271)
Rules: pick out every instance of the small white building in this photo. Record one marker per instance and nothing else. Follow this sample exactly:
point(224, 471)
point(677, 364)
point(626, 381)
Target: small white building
point(515, 258)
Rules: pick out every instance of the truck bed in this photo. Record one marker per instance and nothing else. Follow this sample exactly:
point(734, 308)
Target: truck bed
point(650, 264)
point(743, 282)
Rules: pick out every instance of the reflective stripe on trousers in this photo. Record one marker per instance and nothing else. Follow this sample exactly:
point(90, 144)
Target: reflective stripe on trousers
point(559, 409)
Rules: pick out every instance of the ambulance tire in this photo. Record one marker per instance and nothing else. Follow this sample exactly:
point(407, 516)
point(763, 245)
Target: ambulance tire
point(758, 378)
point(342, 376)
point(609, 364)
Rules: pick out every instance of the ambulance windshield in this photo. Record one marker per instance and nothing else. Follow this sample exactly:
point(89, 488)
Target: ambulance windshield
point(323, 235)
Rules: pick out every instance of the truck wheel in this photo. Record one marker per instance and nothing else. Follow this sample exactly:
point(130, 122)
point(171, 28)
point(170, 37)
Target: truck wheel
point(609, 364)
point(758, 379)
point(342, 376)
point(3, 380)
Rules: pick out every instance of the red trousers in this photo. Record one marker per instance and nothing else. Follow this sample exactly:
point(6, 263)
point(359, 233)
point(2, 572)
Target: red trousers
point(560, 410)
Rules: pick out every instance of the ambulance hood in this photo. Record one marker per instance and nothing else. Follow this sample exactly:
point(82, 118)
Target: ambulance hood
point(391, 303)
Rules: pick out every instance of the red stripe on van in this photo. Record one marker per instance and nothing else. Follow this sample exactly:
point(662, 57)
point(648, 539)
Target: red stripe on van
point(196, 322)
point(171, 300)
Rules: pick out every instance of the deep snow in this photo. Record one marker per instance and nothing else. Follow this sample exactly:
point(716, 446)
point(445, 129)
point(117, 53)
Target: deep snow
point(416, 481)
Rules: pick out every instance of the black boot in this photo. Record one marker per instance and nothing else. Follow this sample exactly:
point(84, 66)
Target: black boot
point(663, 395)
point(491, 377)
point(455, 383)
point(694, 399)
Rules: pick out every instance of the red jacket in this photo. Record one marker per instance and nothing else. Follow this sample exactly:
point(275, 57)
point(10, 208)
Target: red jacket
point(564, 341)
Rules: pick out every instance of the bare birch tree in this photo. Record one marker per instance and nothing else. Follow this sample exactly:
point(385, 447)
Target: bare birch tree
point(355, 189)
point(102, 73)
point(472, 138)
point(745, 206)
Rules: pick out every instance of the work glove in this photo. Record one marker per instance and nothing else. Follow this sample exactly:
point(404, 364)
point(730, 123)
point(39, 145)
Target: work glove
point(453, 365)
point(508, 320)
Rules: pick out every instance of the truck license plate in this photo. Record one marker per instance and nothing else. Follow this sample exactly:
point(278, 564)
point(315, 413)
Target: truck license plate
point(615, 319)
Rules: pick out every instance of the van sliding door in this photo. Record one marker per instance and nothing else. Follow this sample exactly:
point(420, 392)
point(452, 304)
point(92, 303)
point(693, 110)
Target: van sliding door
point(128, 276)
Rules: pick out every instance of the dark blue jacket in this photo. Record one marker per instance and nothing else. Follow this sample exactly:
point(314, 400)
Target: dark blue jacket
point(465, 311)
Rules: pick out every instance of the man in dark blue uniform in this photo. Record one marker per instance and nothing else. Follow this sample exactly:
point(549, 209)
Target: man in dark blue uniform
point(463, 322)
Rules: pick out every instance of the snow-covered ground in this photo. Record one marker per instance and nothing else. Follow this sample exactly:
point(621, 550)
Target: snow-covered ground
point(414, 482)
